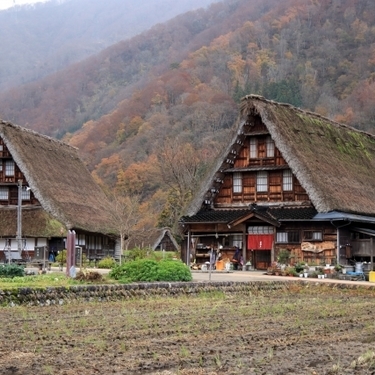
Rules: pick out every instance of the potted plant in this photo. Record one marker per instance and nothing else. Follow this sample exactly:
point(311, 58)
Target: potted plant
point(283, 256)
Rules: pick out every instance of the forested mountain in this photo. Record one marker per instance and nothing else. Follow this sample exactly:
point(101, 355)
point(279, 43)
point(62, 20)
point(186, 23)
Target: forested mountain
point(39, 39)
point(151, 113)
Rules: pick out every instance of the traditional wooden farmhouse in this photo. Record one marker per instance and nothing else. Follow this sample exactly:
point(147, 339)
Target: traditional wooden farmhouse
point(157, 239)
point(46, 190)
point(288, 179)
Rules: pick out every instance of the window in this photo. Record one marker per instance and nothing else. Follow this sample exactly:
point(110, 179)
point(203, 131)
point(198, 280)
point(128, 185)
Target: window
point(25, 194)
point(270, 147)
point(9, 168)
point(4, 193)
point(287, 237)
point(287, 180)
point(237, 182)
point(310, 235)
point(260, 230)
point(237, 240)
point(253, 148)
point(262, 182)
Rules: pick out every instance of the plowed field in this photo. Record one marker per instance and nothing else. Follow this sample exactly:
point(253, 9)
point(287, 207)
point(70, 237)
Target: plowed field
point(301, 331)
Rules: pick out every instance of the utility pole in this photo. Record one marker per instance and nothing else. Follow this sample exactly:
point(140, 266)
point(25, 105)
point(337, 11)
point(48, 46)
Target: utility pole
point(19, 218)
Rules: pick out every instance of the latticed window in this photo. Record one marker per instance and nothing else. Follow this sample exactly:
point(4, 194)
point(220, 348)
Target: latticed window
point(310, 235)
point(9, 168)
point(287, 237)
point(237, 182)
point(4, 193)
point(287, 180)
point(262, 181)
point(25, 194)
point(260, 229)
point(270, 147)
point(253, 148)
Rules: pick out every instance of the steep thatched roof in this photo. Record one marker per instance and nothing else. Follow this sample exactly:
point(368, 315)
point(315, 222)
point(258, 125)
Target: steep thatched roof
point(153, 238)
point(35, 223)
point(334, 163)
point(59, 179)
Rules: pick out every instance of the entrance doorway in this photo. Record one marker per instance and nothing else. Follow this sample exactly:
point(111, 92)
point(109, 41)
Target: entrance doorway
point(262, 259)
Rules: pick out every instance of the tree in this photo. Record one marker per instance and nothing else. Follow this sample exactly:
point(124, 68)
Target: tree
point(125, 216)
point(182, 167)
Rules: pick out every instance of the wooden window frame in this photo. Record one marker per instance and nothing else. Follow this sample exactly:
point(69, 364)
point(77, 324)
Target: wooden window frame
point(287, 180)
point(253, 148)
point(25, 194)
point(313, 235)
point(270, 147)
point(4, 191)
point(292, 236)
point(262, 180)
point(10, 167)
point(237, 183)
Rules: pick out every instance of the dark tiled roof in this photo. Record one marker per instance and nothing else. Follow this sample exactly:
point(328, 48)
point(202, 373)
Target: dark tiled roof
point(292, 213)
point(268, 213)
point(215, 216)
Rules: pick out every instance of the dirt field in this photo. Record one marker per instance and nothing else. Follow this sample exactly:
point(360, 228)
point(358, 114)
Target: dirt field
point(302, 331)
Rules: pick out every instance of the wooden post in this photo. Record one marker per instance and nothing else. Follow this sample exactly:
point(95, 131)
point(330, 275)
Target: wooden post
point(372, 253)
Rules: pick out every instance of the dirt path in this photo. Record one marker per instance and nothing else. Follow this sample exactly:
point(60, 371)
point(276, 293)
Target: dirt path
point(297, 332)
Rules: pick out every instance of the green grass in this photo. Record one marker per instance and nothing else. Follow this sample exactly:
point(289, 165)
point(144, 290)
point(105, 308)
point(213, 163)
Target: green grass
point(53, 279)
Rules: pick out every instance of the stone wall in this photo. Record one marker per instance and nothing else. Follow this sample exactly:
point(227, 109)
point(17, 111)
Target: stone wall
point(102, 293)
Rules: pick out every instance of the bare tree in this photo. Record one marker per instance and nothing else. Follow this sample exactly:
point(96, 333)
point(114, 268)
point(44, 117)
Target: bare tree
point(126, 215)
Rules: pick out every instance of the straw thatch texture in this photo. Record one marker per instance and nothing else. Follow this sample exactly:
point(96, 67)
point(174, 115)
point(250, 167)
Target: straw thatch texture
point(334, 163)
point(58, 179)
point(35, 223)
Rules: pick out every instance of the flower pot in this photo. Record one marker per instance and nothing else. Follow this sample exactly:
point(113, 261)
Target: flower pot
point(306, 275)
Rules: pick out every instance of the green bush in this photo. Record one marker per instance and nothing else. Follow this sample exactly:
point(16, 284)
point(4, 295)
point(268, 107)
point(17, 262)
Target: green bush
point(161, 255)
point(136, 253)
point(11, 270)
point(173, 270)
point(61, 257)
point(106, 262)
point(150, 270)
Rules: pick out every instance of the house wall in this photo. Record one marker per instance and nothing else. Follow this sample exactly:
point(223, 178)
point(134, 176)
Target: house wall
point(9, 181)
point(249, 164)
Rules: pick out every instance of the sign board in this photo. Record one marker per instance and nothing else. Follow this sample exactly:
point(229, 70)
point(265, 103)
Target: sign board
point(41, 252)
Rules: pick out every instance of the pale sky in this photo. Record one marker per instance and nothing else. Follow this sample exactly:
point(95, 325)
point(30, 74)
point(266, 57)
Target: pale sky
point(4, 4)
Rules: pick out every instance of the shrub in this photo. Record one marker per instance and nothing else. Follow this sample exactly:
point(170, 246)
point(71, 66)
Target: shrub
point(11, 270)
point(106, 262)
point(163, 255)
point(150, 270)
point(61, 257)
point(283, 256)
point(136, 253)
point(84, 275)
point(173, 270)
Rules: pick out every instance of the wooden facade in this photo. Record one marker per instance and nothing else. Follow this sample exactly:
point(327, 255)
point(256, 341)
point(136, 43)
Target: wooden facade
point(39, 228)
point(261, 199)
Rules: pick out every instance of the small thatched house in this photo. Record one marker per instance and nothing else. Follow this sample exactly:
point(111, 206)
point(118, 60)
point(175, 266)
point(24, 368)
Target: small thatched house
point(46, 190)
point(289, 179)
point(155, 239)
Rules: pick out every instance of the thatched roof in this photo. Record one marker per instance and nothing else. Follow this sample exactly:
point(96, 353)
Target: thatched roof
point(35, 223)
point(58, 179)
point(153, 238)
point(334, 163)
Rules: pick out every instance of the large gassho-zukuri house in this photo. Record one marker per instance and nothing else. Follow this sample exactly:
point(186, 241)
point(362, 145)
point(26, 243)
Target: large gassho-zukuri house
point(46, 191)
point(288, 179)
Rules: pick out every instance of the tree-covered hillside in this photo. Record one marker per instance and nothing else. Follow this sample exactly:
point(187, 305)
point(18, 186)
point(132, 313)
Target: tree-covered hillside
point(37, 40)
point(150, 114)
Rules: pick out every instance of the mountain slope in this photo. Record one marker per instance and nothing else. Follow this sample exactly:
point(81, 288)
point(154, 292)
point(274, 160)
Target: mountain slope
point(41, 39)
point(157, 109)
